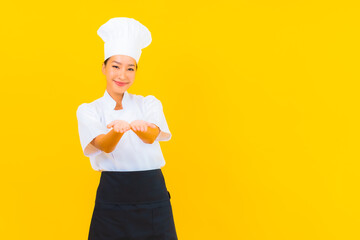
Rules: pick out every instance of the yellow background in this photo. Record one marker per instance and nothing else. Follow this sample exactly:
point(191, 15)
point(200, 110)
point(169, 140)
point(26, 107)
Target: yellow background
point(262, 99)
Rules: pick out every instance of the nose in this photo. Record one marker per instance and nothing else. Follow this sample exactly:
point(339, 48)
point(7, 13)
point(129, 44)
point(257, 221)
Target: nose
point(122, 74)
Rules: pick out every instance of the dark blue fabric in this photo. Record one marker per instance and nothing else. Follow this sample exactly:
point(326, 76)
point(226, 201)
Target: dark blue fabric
point(132, 205)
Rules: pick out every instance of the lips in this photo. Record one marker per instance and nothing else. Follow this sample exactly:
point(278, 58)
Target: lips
point(120, 83)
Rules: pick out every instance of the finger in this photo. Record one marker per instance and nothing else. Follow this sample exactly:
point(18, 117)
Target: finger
point(151, 125)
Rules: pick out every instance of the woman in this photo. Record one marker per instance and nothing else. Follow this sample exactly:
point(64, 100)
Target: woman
point(120, 133)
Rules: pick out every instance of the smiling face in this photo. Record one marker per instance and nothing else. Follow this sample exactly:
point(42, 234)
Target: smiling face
point(120, 73)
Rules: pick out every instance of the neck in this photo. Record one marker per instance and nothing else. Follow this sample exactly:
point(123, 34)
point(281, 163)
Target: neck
point(117, 97)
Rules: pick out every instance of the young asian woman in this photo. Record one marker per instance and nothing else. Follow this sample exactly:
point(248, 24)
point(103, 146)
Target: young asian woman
point(120, 133)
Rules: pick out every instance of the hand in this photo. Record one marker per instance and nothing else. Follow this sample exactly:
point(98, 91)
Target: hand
point(119, 126)
point(141, 125)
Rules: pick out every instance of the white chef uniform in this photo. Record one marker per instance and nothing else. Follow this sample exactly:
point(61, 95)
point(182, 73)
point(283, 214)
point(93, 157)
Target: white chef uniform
point(131, 153)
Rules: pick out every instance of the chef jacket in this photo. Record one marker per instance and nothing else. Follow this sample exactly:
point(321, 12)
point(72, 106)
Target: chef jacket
point(131, 153)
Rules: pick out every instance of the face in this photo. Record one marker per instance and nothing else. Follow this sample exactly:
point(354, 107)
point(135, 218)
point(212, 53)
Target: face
point(120, 73)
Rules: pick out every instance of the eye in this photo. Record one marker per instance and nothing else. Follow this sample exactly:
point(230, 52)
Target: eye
point(131, 69)
point(115, 66)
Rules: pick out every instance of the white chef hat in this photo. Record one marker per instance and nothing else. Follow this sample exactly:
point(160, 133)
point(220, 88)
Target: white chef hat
point(124, 36)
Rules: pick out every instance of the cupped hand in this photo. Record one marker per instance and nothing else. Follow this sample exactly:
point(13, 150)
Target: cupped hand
point(141, 125)
point(119, 126)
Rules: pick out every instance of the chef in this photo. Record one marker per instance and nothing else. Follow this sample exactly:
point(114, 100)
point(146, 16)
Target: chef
point(120, 133)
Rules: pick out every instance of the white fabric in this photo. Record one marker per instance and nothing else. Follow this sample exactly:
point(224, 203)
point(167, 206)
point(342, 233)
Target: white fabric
point(131, 153)
point(124, 36)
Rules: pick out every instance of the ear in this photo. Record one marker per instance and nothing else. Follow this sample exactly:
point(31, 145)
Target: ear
point(103, 68)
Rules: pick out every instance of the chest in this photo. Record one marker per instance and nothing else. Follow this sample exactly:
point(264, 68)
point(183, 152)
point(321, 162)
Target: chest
point(128, 114)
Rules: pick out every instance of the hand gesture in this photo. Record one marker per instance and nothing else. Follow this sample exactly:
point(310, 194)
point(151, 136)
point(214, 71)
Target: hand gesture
point(119, 126)
point(141, 125)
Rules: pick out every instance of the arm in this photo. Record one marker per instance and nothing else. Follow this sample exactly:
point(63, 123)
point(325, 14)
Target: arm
point(153, 113)
point(107, 142)
point(163, 135)
point(149, 135)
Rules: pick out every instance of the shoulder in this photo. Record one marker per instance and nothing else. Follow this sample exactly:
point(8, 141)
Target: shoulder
point(145, 101)
point(88, 108)
point(138, 97)
point(150, 102)
point(151, 99)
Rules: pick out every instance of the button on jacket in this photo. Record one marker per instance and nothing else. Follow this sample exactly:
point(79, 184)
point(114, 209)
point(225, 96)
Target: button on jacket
point(131, 153)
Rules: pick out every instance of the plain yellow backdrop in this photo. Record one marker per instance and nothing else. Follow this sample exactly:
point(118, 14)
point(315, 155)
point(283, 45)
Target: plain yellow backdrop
point(262, 99)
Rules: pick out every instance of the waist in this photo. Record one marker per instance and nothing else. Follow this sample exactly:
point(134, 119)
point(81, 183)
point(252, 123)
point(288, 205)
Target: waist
point(126, 187)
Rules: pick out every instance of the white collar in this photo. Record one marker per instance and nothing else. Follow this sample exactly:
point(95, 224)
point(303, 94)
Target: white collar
point(111, 103)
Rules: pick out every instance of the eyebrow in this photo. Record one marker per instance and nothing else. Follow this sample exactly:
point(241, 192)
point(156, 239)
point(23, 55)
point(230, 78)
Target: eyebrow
point(121, 64)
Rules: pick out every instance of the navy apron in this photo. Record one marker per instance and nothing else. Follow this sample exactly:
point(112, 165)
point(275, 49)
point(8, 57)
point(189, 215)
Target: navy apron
point(132, 205)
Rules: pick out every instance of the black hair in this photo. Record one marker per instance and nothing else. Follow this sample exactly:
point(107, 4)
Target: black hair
point(110, 57)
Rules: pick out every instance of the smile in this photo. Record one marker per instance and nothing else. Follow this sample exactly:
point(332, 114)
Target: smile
point(120, 83)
